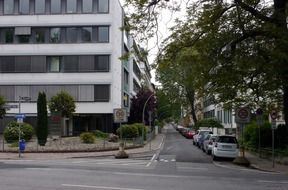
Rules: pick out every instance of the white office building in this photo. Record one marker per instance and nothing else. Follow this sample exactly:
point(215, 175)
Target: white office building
point(70, 45)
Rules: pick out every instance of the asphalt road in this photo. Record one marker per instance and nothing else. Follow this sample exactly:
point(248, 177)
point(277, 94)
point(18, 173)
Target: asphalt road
point(179, 165)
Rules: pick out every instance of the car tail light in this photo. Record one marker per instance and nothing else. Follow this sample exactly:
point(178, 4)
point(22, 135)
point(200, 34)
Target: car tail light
point(216, 144)
point(210, 143)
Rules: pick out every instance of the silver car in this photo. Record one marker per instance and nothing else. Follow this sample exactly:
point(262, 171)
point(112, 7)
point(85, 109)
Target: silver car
point(209, 139)
point(225, 146)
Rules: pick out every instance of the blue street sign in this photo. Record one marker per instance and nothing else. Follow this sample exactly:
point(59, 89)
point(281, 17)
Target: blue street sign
point(19, 115)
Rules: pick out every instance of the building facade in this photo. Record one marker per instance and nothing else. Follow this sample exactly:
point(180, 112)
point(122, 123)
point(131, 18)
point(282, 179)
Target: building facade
point(65, 45)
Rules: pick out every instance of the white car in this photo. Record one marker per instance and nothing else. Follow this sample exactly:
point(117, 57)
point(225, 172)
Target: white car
point(200, 134)
point(225, 147)
point(208, 143)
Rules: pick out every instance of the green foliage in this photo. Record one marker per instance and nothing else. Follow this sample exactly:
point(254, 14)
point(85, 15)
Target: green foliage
point(63, 103)
point(87, 137)
point(11, 132)
point(2, 110)
point(42, 119)
point(100, 134)
point(128, 131)
point(141, 128)
point(213, 123)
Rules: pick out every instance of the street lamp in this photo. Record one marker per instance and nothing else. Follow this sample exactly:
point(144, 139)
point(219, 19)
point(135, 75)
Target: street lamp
point(143, 119)
point(20, 120)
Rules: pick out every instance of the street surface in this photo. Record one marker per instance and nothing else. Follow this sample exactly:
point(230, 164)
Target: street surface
point(179, 165)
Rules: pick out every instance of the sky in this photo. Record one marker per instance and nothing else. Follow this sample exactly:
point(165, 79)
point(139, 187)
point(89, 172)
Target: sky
point(166, 20)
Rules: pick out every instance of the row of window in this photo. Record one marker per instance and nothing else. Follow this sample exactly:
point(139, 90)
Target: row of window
point(67, 63)
point(80, 93)
point(209, 101)
point(87, 34)
point(209, 114)
point(31, 7)
point(136, 70)
point(227, 116)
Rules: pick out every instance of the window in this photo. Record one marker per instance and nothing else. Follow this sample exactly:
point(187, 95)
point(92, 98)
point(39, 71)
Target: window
point(8, 7)
point(126, 77)
point(87, 6)
point(55, 35)
point(102, 62)
point(86, 93)
point(54, 64)
point(55, 6)
point(38, 64)
point(23, 39)
point(101, 93)
point(71, 6)
point(8, 35)
point(103, 6)
point(24, 6)
point(8, 93)
point(22, 64)
point(40, 6)
point(71, 35)
point(86, 34)
point(86, 63)
point(103, 34)
point(7, 64)
point(126, 100)
point(71, 63)
point(39, 35)
point(136, 70)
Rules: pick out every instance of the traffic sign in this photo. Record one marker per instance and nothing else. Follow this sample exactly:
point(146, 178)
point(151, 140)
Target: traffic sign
point(10, 106)
point(120, 115)
point(19, 115)
point(242, 115)
point(273, 124)
point(259, 117)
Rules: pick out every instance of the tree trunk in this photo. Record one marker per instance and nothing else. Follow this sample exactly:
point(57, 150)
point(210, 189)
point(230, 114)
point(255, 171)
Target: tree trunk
point(285, 104)
point(191, 98)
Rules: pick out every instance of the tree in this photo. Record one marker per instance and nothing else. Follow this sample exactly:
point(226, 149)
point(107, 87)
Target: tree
point(63, 103)
point(42, 119)
point(245, 45)
point(137, 105)
point(2, 109)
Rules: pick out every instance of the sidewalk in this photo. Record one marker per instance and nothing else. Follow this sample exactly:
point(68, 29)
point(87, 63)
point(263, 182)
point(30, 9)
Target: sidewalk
point(264, 164)
point(149, 147)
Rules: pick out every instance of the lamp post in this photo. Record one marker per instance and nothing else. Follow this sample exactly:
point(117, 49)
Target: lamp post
point(143, 118)
point(20, 120)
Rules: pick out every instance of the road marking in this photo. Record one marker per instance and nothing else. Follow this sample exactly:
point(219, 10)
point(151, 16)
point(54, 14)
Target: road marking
point(187, 168)
point(173, 160)
point(266, 181)
point(152, 159)
point(99, 187)
point(152, 175)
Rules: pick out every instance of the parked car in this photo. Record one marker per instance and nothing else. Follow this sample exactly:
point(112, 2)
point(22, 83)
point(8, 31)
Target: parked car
point(225, 147)
point(197, 139)
point(208, 143)
point(189, 134)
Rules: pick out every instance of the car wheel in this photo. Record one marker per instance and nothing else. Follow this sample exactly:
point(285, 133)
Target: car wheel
point(193, 143)
point(208, 152)
point(202, 149)
point(215, 158)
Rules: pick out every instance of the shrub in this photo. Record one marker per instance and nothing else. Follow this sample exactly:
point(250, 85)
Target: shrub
point(128, 131)
point(42, 119)
point(87, 137)
point(11, 132)
point(100, 134)
point(141, 127)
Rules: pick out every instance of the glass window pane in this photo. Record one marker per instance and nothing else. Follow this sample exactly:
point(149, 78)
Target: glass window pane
point(55, 35)
point(86, 34)
point(8, 92)
point(7, 64)
point(23, 39)
point(102, 63)
point(22, 63)
point(55, 6)
point(103, 34)
point(34, 91)
point(86, 93)
point(103, 6)
point(39, 6)
point(38, 64)
point(23, 91)
point(87, 6)
point(54, 64)
point(24, 6)
point(8, 35)
point(39, 35)
point(71, 35)
point(101, 93)
point(72, 90)
point(8, 7)
point(70, 63)
point(71, 6)
point(86, 63)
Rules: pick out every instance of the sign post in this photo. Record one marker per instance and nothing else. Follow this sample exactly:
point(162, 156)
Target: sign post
point(259, 119)
point(120, 116)
point(242, 116)
point(19, 116)
point(273, 116)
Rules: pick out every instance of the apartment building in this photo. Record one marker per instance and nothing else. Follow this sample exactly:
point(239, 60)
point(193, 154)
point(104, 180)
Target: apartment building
point(70, 45)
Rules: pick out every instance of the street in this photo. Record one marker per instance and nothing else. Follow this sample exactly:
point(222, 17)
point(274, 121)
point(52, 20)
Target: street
point(179, 165)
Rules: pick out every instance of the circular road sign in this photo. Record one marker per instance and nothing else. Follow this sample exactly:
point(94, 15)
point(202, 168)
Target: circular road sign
point(242, 115)
point(273, 115)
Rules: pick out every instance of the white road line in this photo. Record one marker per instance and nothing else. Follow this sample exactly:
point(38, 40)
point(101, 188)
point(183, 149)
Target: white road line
point(161, 143)
point(277, 182)
point(187, 168)
point(99, 187)
point(152, 159)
